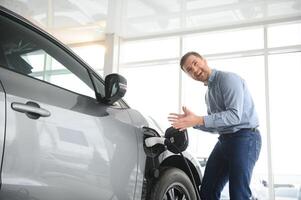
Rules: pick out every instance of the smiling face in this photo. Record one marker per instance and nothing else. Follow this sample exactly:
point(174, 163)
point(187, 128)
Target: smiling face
point(197, 68)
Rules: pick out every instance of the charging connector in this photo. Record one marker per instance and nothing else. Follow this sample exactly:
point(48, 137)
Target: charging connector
point(152, 141)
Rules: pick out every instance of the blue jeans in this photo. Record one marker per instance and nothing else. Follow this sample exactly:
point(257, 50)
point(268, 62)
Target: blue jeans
point(232, 159)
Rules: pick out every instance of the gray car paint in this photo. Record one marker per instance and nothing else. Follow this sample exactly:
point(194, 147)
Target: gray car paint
point(83, 150)
point(138, 121)
point(75, 153)
point(2, 121)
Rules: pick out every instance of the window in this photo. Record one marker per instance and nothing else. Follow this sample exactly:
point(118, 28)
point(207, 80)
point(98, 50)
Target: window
point(153, 90)
point(133, 51)
point(224, 41)
point(284, 35)
point(285, 108)
point(29, 53)
point(93, 55)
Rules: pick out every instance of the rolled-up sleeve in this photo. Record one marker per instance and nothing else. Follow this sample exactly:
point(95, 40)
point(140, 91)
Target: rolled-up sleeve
point(231, 88)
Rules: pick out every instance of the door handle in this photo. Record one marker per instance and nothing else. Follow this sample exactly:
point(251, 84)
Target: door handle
point(31, 109)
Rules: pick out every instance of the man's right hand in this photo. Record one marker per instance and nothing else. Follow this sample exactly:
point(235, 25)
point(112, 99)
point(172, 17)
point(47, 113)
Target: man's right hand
point(186, 120)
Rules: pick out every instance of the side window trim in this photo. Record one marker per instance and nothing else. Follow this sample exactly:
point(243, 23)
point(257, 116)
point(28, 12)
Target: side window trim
point(98, 84)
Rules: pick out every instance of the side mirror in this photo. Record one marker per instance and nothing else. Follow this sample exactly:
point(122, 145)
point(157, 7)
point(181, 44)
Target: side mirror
point(115, 88)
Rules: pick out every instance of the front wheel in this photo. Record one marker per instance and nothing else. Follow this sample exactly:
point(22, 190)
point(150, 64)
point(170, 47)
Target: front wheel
point(173, 184)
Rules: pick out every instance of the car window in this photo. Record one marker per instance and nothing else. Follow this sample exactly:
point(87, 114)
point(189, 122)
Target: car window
point(27, 52)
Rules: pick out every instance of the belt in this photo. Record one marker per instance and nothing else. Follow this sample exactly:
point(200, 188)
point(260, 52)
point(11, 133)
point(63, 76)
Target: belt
point(249, 129)
point(226, 135)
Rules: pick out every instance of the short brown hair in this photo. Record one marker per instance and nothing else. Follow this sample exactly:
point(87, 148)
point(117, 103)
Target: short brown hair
point(184, 58)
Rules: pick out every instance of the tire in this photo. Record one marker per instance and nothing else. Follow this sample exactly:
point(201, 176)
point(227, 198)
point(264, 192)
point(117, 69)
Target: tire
point(173, 184)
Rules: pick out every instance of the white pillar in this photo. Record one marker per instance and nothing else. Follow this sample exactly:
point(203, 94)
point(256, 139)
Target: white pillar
point(111, 61)
point(113, 31)
point(268, 127)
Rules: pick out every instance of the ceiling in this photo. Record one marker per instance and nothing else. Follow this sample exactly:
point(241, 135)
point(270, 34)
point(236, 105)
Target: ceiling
point(77, 21)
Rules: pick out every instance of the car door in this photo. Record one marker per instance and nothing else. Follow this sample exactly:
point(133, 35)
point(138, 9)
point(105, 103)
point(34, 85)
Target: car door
point(60, 143)
point(2, 120)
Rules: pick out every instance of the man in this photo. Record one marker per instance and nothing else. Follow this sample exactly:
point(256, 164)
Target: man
point(231, 113)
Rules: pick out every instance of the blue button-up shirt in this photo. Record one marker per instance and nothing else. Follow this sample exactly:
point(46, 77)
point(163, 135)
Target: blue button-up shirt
point(230, 106)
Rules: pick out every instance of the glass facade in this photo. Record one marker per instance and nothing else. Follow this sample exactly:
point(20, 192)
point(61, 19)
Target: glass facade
point(241, 51)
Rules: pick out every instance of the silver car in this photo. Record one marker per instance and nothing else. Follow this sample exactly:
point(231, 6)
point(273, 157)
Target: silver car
point(66, 134)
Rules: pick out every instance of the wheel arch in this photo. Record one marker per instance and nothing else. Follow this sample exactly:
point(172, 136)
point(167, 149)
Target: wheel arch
point(178, 162)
